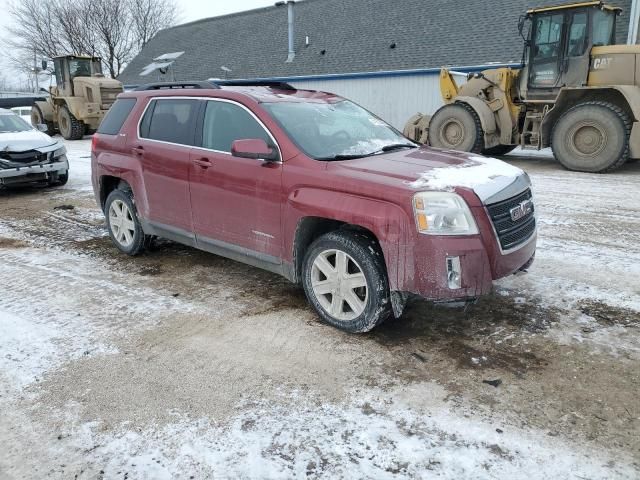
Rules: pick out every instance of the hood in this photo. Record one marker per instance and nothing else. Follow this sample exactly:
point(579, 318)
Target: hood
point(101, 82)
point(430, 169)
point(23, 141)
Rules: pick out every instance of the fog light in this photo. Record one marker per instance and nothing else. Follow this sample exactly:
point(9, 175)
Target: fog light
point(454, 273)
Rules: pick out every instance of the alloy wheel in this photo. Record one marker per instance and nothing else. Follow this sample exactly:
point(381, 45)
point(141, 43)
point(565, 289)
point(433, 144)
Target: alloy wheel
point(121, 223)
point(339, 284)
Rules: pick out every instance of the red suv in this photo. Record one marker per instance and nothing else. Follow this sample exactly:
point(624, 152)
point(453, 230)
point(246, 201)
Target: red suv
point(309, 185)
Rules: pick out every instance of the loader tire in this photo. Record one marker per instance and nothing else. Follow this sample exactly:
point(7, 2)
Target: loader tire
point(499, 150)
point(592, 137)
point(70, 127)
point(456, 127)
point(37, 118)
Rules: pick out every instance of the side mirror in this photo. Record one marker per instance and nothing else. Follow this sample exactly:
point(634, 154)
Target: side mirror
point(42, 127)
point(255, 148)
point(521, 25)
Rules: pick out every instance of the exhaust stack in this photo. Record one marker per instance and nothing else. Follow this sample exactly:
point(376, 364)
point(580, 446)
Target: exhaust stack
point(292, 54)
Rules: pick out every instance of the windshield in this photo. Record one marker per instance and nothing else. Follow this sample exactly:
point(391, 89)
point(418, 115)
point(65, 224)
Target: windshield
point(13, 123)
point(331, 131)
point(80, 67)
point(603, 27)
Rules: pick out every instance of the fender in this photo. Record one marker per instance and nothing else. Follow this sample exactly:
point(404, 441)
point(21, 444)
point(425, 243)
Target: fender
point(117, 167)
point(387, 221)
point(76, 105)
point(47, 110)
point(487, 119)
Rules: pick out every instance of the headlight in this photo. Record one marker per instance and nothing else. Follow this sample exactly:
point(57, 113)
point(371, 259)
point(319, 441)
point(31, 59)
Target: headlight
point(59, 152)
point(443, 213)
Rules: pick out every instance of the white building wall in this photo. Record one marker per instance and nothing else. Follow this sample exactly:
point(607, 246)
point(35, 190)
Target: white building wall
point(395, 99)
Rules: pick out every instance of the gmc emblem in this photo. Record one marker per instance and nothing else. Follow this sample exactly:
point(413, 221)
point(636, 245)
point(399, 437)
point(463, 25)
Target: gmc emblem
point(522, 210)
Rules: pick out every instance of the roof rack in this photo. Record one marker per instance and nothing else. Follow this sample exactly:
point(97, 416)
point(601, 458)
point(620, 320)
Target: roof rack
point(175, 85)
point(254, 83)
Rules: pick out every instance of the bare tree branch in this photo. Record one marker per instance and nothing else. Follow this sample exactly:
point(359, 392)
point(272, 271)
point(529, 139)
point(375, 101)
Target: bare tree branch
point(114, 30)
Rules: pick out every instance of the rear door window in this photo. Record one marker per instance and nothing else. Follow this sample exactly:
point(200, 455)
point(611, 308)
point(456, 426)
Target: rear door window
point(170, 120)
point(226, 122)
point(116, 116)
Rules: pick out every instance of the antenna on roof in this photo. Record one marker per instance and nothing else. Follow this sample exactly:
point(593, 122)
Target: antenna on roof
point(162, 64)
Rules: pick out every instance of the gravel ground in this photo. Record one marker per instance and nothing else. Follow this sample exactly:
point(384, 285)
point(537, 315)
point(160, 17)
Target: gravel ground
point(181, 364)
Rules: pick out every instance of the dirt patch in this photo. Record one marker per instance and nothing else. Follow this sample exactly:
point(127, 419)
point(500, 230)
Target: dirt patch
point(607, 315)
point(483, 336)
point(12, 243)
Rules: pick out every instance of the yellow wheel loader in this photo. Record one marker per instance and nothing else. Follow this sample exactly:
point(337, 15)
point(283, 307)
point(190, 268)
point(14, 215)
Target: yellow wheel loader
point(79, 100)
point(577, 93)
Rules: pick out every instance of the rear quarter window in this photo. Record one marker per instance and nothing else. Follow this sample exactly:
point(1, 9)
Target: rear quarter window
point(116, 116)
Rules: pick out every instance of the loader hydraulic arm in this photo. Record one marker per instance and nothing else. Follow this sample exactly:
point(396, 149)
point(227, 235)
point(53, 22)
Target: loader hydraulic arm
point(448, 86)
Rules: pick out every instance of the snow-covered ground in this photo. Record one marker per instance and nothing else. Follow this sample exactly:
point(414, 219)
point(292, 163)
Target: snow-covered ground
point(180, 364)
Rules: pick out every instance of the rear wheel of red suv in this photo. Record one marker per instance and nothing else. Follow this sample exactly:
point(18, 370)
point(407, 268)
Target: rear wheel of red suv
point(124, 227)
point(345, 280)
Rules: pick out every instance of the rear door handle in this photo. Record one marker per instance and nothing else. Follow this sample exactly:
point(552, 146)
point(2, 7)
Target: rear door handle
point(203, 162)
point(137, 150)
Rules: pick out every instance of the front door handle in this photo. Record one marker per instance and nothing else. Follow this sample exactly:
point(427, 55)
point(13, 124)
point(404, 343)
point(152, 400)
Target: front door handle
point(137, 150)
point(203, 162)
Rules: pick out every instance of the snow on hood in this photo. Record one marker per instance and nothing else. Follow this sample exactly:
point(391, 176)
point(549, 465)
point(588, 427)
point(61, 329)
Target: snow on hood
point(484, 175)
point(27, 140)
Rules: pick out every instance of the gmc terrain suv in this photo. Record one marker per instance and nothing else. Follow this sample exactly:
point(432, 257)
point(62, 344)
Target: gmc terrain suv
point(313, 187)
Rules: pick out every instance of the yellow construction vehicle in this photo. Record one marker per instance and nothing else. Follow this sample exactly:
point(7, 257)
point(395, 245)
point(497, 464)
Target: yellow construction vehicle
point(577, 93)
point(80, 98)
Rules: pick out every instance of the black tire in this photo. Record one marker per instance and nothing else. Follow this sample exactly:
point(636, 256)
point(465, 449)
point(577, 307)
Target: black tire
point(70, 127)
point(592, 137)
point(456, 127)
point(499, 150)
point(37, 117)
point(368, 257)
point(60, 179)
point(140, 241)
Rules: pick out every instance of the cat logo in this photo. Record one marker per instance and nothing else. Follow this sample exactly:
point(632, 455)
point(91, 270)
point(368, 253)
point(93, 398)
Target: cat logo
point(602, 63)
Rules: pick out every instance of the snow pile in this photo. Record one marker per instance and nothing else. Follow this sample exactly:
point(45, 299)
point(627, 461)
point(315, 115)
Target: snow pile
point(27, 347)
point(478, 171)
point(374, 437)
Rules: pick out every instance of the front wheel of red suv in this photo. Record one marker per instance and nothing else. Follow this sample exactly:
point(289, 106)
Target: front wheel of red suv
point(345, 280)
point(124, 227)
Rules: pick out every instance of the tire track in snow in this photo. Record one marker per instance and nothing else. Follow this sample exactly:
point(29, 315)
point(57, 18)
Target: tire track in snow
point(57, 306)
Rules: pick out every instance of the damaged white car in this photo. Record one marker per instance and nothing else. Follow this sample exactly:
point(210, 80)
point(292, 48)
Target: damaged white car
point(29, 156)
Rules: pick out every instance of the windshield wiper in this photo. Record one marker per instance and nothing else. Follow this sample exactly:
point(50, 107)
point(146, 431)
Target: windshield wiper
point(397, 146)
point(345, 157)
point(386, 148)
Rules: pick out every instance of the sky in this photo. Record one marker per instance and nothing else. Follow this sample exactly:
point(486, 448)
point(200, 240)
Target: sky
point(190, 10)
point(196, 9)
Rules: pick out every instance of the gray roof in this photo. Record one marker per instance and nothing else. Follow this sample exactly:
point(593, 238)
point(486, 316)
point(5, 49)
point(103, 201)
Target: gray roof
point(354, 34)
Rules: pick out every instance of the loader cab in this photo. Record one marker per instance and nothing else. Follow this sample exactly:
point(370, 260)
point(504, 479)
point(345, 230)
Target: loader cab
point(72, 66)
point(558, 45)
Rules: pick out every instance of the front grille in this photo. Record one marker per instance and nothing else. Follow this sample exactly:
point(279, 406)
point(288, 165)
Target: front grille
point(512, 233)
point(108, 96)
point(22, 159)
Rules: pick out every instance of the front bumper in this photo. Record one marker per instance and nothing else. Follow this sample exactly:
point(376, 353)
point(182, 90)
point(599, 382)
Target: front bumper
point(10, 175)
point(430, 276)
point(429, 264)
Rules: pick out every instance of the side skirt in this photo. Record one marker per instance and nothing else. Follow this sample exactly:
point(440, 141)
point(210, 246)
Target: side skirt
point(223, 249)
